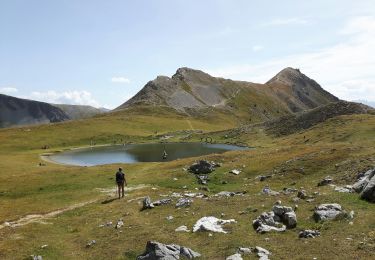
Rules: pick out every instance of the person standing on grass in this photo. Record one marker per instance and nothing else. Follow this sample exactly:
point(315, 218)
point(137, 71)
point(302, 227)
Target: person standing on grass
point(121, 181)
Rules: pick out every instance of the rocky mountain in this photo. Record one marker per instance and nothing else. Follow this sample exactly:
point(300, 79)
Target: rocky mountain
point(79, 111)
point(17, 111)
point(191, 91)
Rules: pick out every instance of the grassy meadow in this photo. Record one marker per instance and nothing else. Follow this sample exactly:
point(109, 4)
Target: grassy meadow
point(71, 202)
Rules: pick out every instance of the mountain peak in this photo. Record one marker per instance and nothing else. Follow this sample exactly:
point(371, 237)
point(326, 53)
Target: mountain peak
point(288, 75)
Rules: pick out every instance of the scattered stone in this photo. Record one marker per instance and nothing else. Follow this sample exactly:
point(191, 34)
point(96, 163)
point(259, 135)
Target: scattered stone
point(307, 233)
point(230, 193)
point(267, 190)
point(235, 171)
point(327, 212)
point(346, 189)
point(262, 253)
point(147, 204)
point(211, 224)
point(162, 202)
point(44, 246)
point(224, 182)
point(310, 200)
point(169, 218)
point(245, 250)
point(202, 179)
point(91, 243)
point(183, 203)
point(119, 224)
point(302, 194)
point(203, 167)
point(158, 251)
point(175, 179)
point(327, 180)
point(182, 229)
point(288, 191)
point(236, 256)
point(264, 177)
point(36, 257)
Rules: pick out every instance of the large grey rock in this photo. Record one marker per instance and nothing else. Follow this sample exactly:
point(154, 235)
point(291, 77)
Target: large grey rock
point(280, 218)
point(327, 212)
point(203, 167)
point(363, 180)
point(368, 192)
point(158, 251)
point(162, 202)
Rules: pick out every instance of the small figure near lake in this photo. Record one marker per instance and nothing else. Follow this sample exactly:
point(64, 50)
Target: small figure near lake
point(121, 181)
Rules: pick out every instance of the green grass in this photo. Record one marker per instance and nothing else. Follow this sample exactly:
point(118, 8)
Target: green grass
point(26, 188)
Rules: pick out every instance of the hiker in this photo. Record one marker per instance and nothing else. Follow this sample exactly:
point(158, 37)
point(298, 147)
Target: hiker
point(121, 181)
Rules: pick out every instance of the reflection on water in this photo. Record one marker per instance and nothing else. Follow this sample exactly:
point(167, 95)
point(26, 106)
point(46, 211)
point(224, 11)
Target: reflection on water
point(138, 153)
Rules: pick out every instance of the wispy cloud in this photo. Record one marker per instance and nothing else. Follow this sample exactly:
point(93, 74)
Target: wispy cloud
point(122, 80)
point(8, 90)
point(257, 48)
point(286, 21)
point(67, 97)
point(340, 68)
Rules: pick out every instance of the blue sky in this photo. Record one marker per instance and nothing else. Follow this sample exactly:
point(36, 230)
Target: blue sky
point(102, 52)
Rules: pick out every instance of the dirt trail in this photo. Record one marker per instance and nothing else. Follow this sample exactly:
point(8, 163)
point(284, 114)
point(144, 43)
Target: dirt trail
point(40, 218)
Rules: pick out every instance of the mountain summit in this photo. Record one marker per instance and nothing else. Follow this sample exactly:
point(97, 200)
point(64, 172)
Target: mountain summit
point(191, 91)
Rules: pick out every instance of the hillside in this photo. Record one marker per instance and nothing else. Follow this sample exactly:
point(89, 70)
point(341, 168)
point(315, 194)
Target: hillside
point(17, 111)
point(193, 91)
point(304, 120)
point(80, 111)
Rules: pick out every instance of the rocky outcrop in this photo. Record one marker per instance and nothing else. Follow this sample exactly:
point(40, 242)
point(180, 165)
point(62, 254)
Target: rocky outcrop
point(366, 185)
point(325, 212)
point(203, 167)
point(279, 219)
point(158, 251)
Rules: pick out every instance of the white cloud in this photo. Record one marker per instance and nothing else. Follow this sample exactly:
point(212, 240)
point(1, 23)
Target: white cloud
point(122, 80)
point(8, 90)
point(345, 69)
point(66, 97)
point(257, 48)
point(286, 21)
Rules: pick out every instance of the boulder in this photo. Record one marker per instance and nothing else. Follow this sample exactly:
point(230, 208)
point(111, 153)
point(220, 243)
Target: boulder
point(235, 171)
point(302, 194)
point(162, 202)
point(279, 219)
point(307, 233)
point(212, 224)
point(327, 212)
point(346, 189)
point(158, 251)
point(202, 167)
point(36, 257)
point(202, 179)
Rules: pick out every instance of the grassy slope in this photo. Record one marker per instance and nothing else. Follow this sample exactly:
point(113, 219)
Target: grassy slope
point(26, 188)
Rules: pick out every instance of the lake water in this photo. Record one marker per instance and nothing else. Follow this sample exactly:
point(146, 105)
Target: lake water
point(133, 153)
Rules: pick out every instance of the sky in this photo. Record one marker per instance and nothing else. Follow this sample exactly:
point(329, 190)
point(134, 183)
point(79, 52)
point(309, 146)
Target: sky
point(101, 53)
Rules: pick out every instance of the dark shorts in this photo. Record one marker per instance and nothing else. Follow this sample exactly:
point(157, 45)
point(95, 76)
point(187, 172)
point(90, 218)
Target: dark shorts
point(120, 183)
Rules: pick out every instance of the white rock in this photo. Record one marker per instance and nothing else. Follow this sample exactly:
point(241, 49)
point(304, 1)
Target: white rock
point(211, 224)
point(169, 218)
point(235, 171)
point(234, 257)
